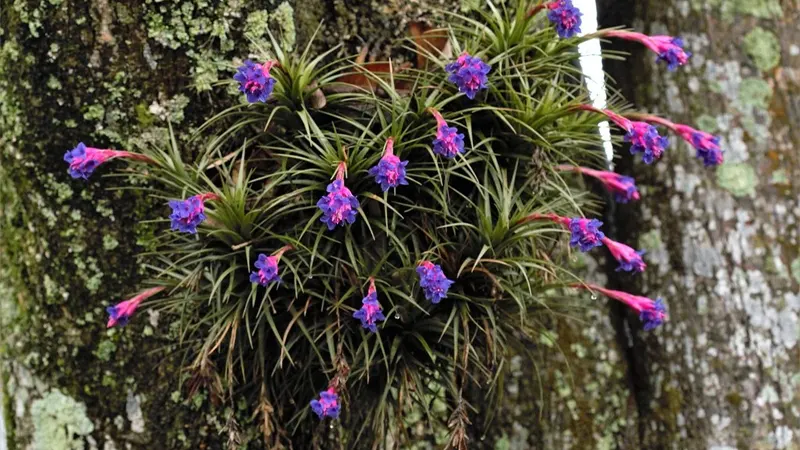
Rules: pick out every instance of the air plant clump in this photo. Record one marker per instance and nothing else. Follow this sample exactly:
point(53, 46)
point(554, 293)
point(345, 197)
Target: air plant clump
point(464, 241)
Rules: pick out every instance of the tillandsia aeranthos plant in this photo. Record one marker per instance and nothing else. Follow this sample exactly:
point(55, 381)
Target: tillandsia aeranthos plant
point(352, 252)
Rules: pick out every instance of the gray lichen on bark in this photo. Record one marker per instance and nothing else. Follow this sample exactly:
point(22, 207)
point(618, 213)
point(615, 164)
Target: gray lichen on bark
point(723, 373)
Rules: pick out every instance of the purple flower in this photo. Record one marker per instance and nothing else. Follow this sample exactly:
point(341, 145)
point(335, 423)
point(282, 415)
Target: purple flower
point(188, 214)
point(566, 18)
point(327, 405)
point(623, 188)
point(340, 205)
point(670, 50)
point(449, 142)
point(433, 281)
point(121, 313)
point(267, 270)
point(706, 144)
point(585, 233)
point(84, 160)
point(390, 171)
point(255, 81)
point(469, 74)
point(644, 139)
point(651, 313)
point(629, 259)
point(268, 267)
point(371, 310)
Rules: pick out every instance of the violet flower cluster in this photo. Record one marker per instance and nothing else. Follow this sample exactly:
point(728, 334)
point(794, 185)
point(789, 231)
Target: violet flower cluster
point(188, 214)
point(84, 160)
point(327, 405)
point(469, 73)
point(255, 81)
point(433, 281)
point(565, 16)
point(121, 313)
point(371, 310)
point(339, 206)
point(448, 142)
point(669, 49)
point(585, 233)
point(390, 171)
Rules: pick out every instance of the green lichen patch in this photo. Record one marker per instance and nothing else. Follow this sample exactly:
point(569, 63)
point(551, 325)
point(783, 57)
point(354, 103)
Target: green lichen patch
point(110, 242)
point(795, 268)
point(730, 9)
point(755, 92)
point(59, 422)
point(651, 241)
point(763, 47)
point(738, 179)
point(707, 123)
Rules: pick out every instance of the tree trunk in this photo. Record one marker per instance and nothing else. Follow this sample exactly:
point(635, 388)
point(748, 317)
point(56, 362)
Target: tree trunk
point(723, 243)
point(110, 74)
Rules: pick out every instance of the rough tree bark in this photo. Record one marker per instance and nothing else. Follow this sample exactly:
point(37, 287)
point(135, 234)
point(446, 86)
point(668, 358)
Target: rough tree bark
point(723, 244)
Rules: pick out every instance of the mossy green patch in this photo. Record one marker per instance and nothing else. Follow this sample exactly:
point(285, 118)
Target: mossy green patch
point(730, 9)
point(650, 241)
point(795, 269)
point(105, 350)
point(755, 92)
point(59, 422)
point(707, 123)
point(284, 18)
point(763, 47)
point(110, 242)
point(738, 179)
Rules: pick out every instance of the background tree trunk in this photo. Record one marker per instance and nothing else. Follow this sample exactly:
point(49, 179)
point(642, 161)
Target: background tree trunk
point(723, 244)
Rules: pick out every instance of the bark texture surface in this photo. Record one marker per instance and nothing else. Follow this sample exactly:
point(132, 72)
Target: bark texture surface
point(723, 243)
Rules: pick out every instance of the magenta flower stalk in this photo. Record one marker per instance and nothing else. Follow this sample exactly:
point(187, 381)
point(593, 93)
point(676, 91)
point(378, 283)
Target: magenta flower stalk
point(255, 81)
point(188, 214)
point(584, 233)
point(669, 49)
point(706, 144)
point(84, 160)
point(449, 142)
point(642, 136)
point(629, 259)
point(390, 171)
point(623, 188)
point(651, 312)
point(327, 405)
point(469, 73)
point(339, 206)
point(121, 313)
point(371, 310)
point(268, 267)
